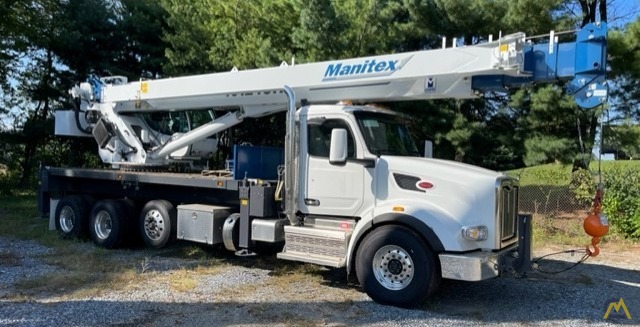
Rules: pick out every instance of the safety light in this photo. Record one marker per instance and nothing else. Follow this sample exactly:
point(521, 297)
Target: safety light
point(424, 185)
point(475, 233)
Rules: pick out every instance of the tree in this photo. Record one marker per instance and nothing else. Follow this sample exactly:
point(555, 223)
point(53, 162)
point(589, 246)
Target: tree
point(624, 46)
point(140, 28)
point(53, 44)
point(623, 140)
point(320, 34)
point(492, 132)
point(211, 36)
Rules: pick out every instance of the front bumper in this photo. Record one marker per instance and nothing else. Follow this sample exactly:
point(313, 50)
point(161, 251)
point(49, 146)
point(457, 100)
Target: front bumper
point(481, 265)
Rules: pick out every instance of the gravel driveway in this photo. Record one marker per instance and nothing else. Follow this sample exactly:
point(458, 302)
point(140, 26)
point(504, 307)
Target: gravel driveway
point(256, 291)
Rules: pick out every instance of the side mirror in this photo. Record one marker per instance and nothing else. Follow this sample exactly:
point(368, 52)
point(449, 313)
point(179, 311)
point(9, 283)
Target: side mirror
point(338, 149)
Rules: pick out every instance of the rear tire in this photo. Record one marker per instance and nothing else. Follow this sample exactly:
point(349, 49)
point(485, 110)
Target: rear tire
point(396, 267)
point(107, 224)
point(158, 223)
point(71, 216)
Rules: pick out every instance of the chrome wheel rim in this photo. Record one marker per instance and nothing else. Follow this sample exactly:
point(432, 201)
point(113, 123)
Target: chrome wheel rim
point(67, 219)
point(154, 224)
point(393, 267)
point(103, 224)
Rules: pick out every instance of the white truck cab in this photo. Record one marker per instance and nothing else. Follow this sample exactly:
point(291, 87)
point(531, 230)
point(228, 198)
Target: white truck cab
point(360, 169)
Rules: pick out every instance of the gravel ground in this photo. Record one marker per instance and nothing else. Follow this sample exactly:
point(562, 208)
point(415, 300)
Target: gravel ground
point(246, 292)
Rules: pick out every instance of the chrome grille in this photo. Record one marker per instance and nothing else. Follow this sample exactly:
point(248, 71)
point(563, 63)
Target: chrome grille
point(507, 212)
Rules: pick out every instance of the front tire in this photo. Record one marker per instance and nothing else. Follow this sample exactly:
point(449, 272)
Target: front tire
point(395, 266)
point(71, 217)
point(158, 223)
point(107, 224)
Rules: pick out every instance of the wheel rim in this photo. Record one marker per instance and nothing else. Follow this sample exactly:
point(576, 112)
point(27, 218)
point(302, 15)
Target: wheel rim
point(154, 224)
point(102, 225)
point(393, 267)
point(67, 219)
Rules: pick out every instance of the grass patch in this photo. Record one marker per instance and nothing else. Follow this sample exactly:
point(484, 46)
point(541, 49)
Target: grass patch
point(85, 271)
point(569, 231)
point(182, 281)
point(19, 218)
point(558, 230)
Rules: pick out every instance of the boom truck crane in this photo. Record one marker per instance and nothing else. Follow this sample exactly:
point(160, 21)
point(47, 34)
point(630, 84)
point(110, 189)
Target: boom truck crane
point(353, 191)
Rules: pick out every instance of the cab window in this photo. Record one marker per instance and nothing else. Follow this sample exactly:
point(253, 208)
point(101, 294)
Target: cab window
point(319, 135)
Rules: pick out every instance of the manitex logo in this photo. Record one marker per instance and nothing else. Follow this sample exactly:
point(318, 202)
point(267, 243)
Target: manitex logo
point(613, 305)
point(374, 67)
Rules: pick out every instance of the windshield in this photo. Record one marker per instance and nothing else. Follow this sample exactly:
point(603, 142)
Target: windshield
point(386, 134)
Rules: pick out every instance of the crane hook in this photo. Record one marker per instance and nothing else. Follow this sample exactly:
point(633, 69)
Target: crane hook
point(596, 224)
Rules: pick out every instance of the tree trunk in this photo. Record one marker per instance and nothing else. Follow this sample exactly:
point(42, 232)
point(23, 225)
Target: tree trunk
point(603, 10)
point(29, 149)
point(588, 11)
point(35, 130)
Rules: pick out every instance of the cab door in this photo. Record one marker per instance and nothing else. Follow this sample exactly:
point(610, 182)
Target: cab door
point(335, 190)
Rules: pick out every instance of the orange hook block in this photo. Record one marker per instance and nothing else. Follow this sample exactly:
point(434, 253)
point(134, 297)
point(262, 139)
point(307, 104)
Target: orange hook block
point(596, 225)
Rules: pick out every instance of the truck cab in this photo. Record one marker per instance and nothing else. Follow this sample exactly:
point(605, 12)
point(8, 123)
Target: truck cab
point(361, 175)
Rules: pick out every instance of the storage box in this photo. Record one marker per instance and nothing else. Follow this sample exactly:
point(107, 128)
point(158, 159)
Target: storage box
point(262, 202)
point(201, 223)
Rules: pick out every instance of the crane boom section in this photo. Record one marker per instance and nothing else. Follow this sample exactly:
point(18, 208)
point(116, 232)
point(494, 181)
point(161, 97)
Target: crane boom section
point(434, 74)
point(129, 126)
point(454, 73)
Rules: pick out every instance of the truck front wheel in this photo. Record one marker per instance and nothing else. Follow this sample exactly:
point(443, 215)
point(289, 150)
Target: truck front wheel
point(158, 223)
point(107, 225)
point(396, 267)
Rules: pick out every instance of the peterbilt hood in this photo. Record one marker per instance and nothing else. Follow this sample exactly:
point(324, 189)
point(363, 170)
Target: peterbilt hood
point(463, 192)
point(438, 165)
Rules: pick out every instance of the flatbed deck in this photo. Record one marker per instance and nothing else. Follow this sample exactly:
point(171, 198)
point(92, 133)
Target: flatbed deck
point(164, 178)
point(178, 188)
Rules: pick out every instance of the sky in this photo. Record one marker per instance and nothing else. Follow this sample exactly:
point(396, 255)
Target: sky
point(621, 12)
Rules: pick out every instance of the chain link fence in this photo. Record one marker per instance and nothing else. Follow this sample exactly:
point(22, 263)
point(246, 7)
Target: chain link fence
point(550, 201)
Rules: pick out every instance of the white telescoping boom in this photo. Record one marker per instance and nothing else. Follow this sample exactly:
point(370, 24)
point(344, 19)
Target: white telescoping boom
point(458, 73)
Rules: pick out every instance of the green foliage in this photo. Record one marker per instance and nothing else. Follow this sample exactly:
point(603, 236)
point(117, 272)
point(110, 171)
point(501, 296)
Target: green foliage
point(207, 35)
point(9, 180)
point(545, 149)
point(622, 200)
point(621, 192)
point(622, 49)
point(141, 27)
point(548, 119)
point(320, 35)
point(550, 174)
point(583, 185)
point(624, 139)
point(622, 44)
point(460, 135)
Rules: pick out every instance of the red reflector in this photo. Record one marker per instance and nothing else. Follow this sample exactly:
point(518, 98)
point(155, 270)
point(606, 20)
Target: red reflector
point(344, 225)
point(424, 185)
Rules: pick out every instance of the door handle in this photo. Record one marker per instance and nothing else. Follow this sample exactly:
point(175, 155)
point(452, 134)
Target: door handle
point(312, 202)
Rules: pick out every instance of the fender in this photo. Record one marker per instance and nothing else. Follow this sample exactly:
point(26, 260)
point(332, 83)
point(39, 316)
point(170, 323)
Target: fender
point(399, 219)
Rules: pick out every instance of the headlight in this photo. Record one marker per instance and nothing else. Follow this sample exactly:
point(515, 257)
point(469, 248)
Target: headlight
point(475, 233)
